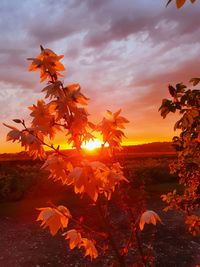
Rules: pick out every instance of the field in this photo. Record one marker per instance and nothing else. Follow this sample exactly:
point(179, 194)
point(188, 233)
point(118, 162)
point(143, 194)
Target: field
point(24, 187)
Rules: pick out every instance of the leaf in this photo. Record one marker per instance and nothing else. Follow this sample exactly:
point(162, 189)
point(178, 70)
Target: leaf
point(107, 178)
point(75, 240)
point(90, 249)
point(74, 95)
point(91, 125)
point(73, 87)
point(74, 237)
point(95, 178)
point(47, 62)
point(53, 218)
point(165, 107)
point(109, 128)
point(17, 121)
point(148, 216)
point(44, 118)
point(35, 65)
point(78, 127)
point(50, 218)
point(42, 48)
point(84, 182)
point(13, 135)
point(53, 90)
point(59, 168)
point(180, 3)
point(97, 165)
point(180, 87)
point(195, 81)
point(32, 142)
point(116, 114)
point(172, 90)
point(66, 213)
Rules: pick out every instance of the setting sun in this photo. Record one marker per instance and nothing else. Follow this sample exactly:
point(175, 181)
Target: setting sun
point(92, 144)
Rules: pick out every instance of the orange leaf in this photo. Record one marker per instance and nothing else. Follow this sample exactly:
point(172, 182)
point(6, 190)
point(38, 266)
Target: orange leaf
point(148, 216)
point(90, 248)
point(74, 238)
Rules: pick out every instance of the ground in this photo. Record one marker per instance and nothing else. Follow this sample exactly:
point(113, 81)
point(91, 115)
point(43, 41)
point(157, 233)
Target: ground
point(25, 244)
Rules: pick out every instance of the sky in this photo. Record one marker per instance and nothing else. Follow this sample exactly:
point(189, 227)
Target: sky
point(123, 53)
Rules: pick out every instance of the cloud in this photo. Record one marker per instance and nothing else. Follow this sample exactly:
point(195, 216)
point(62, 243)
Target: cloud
point(123, 53)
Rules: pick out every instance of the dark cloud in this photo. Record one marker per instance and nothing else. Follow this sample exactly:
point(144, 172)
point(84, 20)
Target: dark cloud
point(162, 25)
point(182, 73)
point(123, 53)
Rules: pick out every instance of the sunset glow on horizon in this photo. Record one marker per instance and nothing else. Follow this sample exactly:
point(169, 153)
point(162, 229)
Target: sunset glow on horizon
point(122, 53)
point(92, 144)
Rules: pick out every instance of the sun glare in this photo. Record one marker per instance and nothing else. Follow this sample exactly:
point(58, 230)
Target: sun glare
point(92, 144)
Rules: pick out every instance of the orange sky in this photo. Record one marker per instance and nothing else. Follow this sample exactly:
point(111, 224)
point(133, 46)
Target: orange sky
point(123, 53)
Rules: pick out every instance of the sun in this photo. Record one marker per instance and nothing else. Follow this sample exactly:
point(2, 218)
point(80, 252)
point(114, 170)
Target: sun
point(92, 144)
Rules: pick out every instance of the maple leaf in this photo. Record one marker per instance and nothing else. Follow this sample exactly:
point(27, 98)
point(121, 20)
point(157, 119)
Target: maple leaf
point(61, 109)
point(148, 216)
point(110, 178)
point(85, 181)
point(53, 218)
point(79, 122)
point(92, 188)
point(14, 134)
point(74, 95)
point(59, 168)
point(117, 120)
point(80, 179)
point(53, 90)
point(66, 213)
point(75, 240)
point(110, 129)
point(96, 165)
point(74, 237)
point(43, 118)
point(32, 142)
point(28, 139)
point(180, 3)
point(90, 249)
point(97, 178)
point(78, 128)
point(48, 64)
point(66, 104)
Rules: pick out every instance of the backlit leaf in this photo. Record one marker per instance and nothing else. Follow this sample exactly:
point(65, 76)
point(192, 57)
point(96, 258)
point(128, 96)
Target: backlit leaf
point(180, 3)
point(148, 216)
point(74, 238)
point(59, 168)
point(53, 218)
point(90, 249)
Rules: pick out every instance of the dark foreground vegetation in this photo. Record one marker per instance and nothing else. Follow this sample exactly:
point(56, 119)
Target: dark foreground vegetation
point(24, 187)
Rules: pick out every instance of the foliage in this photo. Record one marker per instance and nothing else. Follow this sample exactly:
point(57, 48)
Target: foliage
point(187, 166)
point(187, 144)
point(64, 110)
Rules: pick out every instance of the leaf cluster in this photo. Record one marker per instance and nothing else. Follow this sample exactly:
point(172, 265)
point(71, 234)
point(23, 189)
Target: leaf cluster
point(64, 109)
point(187, 166)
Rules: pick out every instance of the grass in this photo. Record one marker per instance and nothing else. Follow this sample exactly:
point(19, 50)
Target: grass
point(24, 182)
